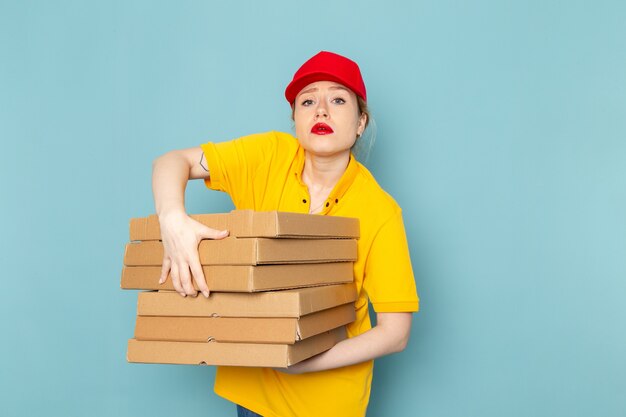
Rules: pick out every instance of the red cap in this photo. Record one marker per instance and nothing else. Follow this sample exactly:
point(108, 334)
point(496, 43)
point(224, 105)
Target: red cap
point(327, 66)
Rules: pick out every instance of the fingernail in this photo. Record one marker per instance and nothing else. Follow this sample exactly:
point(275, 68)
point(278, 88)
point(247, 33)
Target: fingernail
point(161, 281)
point(183, 294)
point(206, 294)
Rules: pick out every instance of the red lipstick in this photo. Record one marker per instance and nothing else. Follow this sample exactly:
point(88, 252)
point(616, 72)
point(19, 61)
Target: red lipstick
point(321, 129)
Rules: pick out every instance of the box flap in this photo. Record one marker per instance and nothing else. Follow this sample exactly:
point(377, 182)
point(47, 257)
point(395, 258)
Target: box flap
point(298, 224)
point(322, 321)
point(315, 345)
point(271, 251)
point(319, 298)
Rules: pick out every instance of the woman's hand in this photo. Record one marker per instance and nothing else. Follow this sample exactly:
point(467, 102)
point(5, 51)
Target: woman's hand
point(181, 236)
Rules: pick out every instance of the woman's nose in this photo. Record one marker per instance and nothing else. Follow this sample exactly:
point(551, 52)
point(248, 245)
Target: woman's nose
point(321, 111)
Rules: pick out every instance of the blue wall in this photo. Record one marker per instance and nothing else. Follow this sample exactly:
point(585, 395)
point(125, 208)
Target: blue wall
point(501, 132)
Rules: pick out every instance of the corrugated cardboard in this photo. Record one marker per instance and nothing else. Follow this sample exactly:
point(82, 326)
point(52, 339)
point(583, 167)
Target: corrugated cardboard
point(246, 278)
point(248, 223)
point(285, 330)
point(287, 303)
point(232, 354)
point(250, 251)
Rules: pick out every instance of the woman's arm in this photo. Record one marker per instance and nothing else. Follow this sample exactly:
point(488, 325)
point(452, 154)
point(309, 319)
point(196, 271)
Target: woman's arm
point(390, 335)
point(180, 233)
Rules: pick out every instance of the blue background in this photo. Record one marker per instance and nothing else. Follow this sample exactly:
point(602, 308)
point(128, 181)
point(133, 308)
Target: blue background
point(501, 133)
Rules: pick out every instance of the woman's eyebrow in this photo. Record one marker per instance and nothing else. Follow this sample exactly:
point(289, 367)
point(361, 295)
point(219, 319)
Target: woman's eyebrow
point(313, 89)
point(308, 90)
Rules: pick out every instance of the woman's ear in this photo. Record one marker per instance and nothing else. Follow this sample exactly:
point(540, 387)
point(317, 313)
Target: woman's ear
point(362, 123)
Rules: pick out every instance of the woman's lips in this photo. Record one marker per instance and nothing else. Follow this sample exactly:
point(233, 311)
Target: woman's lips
point(321, 129)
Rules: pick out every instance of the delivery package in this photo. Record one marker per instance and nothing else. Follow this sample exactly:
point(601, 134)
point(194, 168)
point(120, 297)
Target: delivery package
point(285, 330)
point(281, 291)
point(250, 251)
point(249, 223)
point(275, 328)
point(232, 354)
point(246, 278)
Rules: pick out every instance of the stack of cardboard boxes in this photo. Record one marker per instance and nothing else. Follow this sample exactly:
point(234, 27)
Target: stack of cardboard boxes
point(281, 287)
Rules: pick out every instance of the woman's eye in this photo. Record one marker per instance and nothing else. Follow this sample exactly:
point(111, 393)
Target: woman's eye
point(338, 100)
point(307, 102)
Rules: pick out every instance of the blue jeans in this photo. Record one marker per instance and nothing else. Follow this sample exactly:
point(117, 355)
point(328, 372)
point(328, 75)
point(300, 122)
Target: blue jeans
point(244, 412)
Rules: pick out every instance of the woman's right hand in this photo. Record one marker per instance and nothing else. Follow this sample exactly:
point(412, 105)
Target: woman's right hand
point(181, 236)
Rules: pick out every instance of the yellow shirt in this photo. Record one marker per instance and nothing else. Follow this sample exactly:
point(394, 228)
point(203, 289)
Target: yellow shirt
point(263, 172)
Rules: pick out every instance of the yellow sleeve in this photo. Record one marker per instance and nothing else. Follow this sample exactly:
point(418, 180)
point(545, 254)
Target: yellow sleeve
point(233, 165)
point(389, 279)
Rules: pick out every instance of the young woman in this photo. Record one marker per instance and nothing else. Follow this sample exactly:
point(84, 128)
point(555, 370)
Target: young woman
point(313, 172)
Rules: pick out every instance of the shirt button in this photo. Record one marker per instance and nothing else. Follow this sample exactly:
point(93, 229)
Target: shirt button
point(304, 200)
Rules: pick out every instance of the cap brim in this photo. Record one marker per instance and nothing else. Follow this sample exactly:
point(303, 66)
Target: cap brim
point(295, 86)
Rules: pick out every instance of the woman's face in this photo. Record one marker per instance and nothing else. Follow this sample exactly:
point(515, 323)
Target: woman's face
point(327, 119)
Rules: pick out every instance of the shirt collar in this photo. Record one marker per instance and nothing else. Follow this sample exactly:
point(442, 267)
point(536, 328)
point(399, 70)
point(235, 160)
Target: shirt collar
point(342, 185)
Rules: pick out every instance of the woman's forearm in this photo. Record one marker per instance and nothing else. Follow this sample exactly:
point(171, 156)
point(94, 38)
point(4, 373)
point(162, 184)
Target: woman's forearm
point(180, 233)
point(170, 173)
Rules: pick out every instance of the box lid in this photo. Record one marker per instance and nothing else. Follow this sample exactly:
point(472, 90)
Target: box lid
point(285, 330)
point(250, 251)
point(246, 278)
point(286, 303)
point(232, 354)
point(249, 223)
